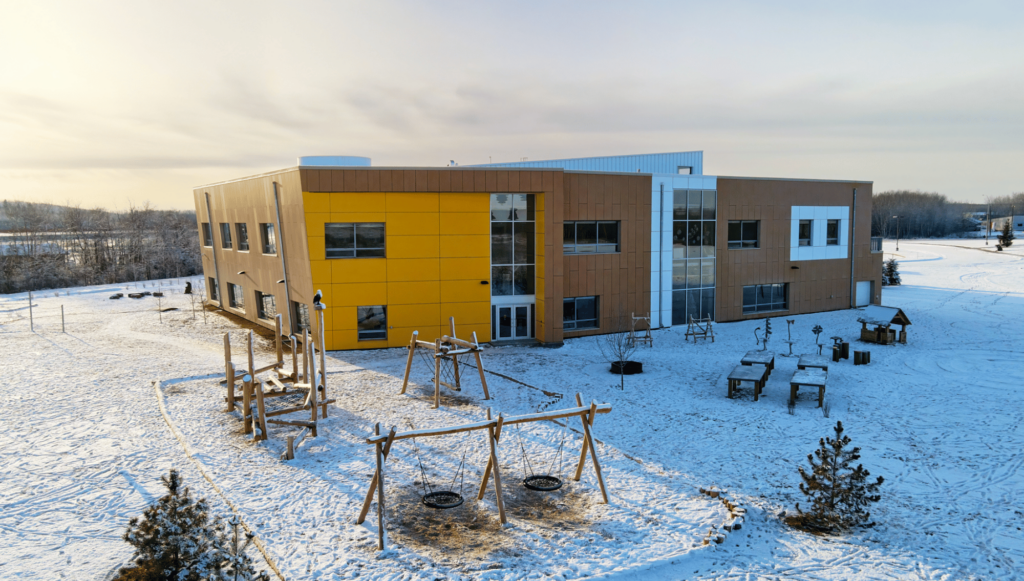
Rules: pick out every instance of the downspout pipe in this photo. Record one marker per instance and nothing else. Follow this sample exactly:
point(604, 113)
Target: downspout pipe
point(284, 263)
point(853, 248)
point(213, 249)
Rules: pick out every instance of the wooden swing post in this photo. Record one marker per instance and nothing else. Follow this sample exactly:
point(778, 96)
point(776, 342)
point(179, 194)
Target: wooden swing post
point(277, 343)
point(408, 360)
point(295, 357)
point(261, 411)
point(455, 360)
point(247, 404)
point(480, 365)
point(587, 419)
point(437, 373)
point(305, 355)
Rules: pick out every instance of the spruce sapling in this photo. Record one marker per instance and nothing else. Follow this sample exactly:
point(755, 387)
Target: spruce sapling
point(892, 272)
point(1006, 236)
point(175, 539)
point(839, 493)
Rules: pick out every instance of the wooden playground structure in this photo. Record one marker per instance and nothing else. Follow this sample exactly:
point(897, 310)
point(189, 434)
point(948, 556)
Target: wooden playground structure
point(641, 336)
point(699, 329)
point(493, 427)
point(444, 359)
point(278, 393)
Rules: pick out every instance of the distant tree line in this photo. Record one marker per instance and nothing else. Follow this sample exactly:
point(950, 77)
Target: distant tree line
point(922, 215)
point(1002, 205)
point(45, 246)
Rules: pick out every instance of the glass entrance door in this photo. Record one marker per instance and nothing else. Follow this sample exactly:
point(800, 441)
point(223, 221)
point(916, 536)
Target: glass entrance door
point(514, 322)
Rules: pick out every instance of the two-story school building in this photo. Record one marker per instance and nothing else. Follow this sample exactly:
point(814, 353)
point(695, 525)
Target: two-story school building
point(536, 251)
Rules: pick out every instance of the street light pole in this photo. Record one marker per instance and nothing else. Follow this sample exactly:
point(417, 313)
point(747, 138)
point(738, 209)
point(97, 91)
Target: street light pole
point(897, 233)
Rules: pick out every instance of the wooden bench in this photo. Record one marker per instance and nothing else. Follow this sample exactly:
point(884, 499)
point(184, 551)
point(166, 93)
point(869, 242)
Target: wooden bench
point(808, 378)
point(755, 373)
point(814, 362)
point(766, 358)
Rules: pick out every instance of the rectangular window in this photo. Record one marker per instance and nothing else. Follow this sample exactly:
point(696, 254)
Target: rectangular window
point(590, 237)
point(744, 234)
point(513, 245)
point(832, 233)
point(580, 313)
point(269, 239)
point(694, 227)
point(207, 234)
point(372, 323)
point(236, 298)
point(764, 298)
point(300, 314)
point(242, 232)
point(354, 240)
point(214, 293)
point(225, 235)
point(805, 232)
point(684, 170)
point(266, 306)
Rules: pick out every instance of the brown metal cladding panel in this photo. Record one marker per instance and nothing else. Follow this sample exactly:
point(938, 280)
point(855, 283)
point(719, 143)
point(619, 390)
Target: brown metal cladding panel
point(373, 181)
point(408, 181)
point(444, 181)
point(337, 182)
point(422, 182)
point(433, 181)
point(386, 181)
point(513, 181)
point(362, 180)
point(502, 182)
point(479, 182)
point(491, 183)
point(311, 180)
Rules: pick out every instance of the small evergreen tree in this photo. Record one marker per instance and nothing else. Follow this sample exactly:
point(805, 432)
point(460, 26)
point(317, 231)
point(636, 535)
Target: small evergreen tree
point(1006, 236)
point(176, 539)
point(839, 494)
point(238, 565)
point(891, 276)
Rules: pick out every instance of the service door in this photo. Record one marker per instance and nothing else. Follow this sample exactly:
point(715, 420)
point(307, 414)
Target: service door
point(863, 293)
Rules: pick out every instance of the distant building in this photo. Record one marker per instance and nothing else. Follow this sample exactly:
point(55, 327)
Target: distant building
point(1017, 220)
point(532, 250)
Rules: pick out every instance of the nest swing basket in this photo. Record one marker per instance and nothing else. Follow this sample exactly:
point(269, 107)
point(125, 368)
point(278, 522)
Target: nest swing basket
point(542, 482)
point(442, 499)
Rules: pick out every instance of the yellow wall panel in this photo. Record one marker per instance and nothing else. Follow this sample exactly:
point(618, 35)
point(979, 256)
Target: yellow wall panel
point(357, 202)
point(400, 336)
point(465, 313)
point(412, 269)
point(465, 291)
point(411, 202)
point(465, 246)
point(414, 315)
point(315, 202)
point(412, 247)
point(343, 318)
point(412, 224)
point(351, 270)
point(316, 248)
point(321, 271)
point(466, 269)
point(466, 202)
point(349, 339)
point(479, 224)
point(359, 295)
point(346, 217)
point(412, 293)
point(314, 223)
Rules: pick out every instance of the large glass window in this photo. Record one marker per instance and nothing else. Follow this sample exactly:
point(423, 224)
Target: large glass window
point(513, 240)
point(225, 235)
point(832, 233)
point(356, 240)
point(694, 214)
point(590, 237)
point(243, 236)
point(744, 234)
point(372, 323)
point(805, 232)
point(266, 306)
point(207, 234)
point(269, 239)
point(236, 298)
point(214, 293)
point(763, 298)
point(580, 313)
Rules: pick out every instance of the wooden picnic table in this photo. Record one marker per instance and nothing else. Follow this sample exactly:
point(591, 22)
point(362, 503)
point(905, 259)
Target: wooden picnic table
point(766, 358)
point(754, 373)
point(813, 361)
point(808, 378)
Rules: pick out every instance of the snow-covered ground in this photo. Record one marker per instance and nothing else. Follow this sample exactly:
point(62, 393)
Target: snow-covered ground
point(93, 417)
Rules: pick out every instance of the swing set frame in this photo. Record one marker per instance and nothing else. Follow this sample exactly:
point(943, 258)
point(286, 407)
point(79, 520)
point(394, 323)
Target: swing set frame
point(446, 349)
point(383, 443)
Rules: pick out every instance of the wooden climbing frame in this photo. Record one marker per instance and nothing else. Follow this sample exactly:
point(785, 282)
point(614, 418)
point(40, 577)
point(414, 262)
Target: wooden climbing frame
point(699, 329)
point(280, 394)
point(383, 444)
point(643, 335)
point(445, 351)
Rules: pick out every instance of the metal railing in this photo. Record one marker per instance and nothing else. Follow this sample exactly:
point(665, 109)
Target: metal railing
point(876, 244)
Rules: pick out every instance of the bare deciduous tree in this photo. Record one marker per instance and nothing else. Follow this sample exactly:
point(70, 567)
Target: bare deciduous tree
point(618, 346)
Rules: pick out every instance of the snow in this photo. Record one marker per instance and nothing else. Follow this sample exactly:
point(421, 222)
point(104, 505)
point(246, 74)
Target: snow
point(92, 418)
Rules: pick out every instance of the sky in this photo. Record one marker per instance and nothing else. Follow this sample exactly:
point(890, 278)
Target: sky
point(111, 104)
